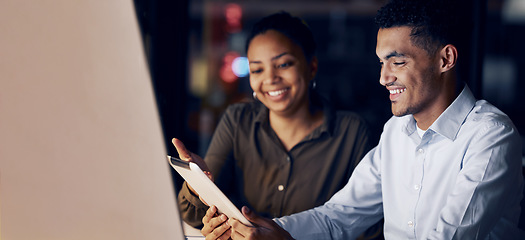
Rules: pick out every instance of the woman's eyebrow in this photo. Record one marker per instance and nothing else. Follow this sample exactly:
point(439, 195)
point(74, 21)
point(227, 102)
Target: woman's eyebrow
point(273, 58)
point(280, 55)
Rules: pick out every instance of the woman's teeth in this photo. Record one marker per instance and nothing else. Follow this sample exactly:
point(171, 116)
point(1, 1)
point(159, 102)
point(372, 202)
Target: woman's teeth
point(277, 93)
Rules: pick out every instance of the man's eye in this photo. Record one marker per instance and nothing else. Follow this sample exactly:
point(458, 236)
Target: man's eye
point(399, 63)
point(256, 71)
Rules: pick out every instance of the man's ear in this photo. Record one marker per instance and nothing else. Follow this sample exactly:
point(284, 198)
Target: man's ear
point(449, 57)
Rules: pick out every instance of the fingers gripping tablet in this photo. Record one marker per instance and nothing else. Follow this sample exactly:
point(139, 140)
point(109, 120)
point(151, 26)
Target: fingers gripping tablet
point(206, 189)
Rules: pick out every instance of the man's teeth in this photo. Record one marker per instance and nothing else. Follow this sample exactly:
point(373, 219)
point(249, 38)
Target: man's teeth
point(399, 90)
point(277, 93)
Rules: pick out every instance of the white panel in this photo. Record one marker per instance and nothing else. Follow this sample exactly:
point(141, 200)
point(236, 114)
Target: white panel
point(81, 148)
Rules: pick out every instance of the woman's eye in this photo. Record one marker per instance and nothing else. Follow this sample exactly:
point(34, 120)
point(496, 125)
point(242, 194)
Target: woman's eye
point(284, 65)
point(255, 71)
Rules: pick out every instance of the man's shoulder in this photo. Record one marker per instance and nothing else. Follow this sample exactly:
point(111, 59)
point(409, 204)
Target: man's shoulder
point(485, 114)
point(486, 120)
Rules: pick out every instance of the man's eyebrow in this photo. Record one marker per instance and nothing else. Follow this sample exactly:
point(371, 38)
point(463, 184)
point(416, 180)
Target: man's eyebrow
point(394, 54)
point(273, 58)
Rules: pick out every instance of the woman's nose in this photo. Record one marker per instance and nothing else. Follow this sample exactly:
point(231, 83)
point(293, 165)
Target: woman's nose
point(271, 76)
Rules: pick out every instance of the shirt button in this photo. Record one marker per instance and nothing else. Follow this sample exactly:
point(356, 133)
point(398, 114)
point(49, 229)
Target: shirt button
point(287, 159)
point(421, 150)
point(280, 188)
point(417, 187)
point(410, 223)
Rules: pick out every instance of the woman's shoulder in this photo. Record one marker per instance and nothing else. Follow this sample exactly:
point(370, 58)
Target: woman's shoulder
point(346, 115)
point(338, 116)
point(345, 119)
point(244, 110)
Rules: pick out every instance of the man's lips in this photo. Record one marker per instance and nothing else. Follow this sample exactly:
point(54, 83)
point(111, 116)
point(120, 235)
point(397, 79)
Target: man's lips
point(395, 93)
point(397, 90)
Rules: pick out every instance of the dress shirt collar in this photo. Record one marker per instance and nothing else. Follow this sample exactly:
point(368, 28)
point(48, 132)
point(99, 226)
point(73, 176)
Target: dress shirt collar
point(449, 122)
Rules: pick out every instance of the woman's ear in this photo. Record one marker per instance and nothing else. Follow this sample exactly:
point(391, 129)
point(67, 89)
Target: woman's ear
point(313, 67)
point(449, 57)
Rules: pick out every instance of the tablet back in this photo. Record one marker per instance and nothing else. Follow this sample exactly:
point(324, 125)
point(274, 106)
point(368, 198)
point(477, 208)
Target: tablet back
point(81, 147)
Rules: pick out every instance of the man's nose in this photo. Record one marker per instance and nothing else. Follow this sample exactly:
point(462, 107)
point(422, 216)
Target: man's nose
point(386, 76)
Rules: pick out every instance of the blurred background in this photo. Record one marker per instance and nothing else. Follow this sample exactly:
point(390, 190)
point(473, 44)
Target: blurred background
point(195, 50)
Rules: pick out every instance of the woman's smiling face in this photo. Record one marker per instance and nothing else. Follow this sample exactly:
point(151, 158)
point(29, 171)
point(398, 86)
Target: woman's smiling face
point(279, 72)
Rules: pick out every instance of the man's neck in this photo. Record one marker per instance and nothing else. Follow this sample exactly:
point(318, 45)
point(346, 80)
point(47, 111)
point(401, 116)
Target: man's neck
point(432, 112)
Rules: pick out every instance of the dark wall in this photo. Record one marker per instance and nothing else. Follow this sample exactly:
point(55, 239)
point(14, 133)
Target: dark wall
point(164, 26)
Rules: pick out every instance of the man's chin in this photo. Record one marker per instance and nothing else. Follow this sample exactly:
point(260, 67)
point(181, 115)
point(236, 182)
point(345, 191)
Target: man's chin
point(399, 112)
point(399, 115)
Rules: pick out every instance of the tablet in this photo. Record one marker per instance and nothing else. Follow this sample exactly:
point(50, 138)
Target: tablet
point(206, 189)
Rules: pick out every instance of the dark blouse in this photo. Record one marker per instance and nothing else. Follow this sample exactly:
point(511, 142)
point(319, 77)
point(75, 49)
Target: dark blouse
point(251, 166)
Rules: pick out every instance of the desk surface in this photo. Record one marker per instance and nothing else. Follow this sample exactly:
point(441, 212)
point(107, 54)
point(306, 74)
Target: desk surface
point(191, 233)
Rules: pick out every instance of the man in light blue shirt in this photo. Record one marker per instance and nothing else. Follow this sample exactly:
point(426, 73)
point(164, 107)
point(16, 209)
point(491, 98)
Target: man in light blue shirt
point(446, 167)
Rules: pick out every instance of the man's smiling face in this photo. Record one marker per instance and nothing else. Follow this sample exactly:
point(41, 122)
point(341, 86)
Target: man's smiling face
point(408, 72)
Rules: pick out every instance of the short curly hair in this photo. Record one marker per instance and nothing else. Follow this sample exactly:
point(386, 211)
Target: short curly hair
point(433, 22)
point(292, 27)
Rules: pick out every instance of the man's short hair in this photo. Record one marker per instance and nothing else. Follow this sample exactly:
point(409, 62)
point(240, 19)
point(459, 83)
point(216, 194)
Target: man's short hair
point(434, 23)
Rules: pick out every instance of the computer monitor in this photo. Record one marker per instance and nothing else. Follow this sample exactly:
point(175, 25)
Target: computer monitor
point(81, 147)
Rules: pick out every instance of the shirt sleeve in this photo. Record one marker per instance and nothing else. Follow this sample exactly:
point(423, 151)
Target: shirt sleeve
point(192, 209)
point(489, 181)
point(348, 213)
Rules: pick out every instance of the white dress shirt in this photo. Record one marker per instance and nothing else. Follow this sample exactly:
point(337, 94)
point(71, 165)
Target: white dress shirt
point(461, 180)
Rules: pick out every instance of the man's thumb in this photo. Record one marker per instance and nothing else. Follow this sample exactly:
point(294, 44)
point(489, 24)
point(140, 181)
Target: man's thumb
point(253, 217)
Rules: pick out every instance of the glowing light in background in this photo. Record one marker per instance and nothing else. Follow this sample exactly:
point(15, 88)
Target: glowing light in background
point(233, 14)
point(226, 72)
point(240, 67)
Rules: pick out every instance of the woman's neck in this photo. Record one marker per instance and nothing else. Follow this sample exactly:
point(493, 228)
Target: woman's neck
point(292, 128)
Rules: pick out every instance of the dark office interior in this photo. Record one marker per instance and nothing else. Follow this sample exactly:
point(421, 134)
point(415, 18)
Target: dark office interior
point(188, 43)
